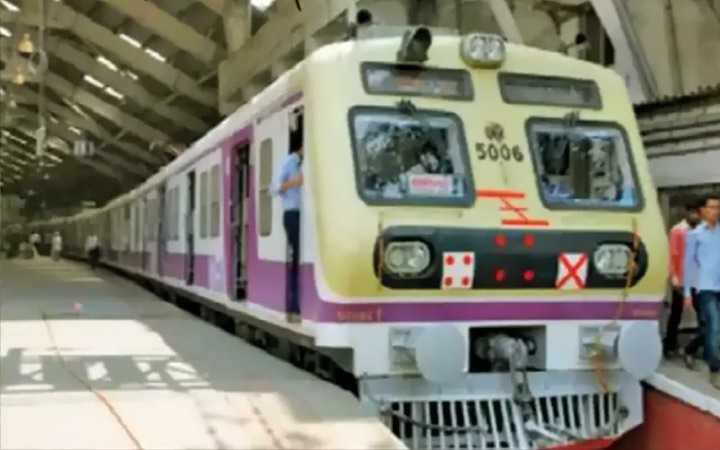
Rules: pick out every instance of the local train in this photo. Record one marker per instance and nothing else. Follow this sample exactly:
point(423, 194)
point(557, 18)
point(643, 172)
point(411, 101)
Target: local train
point(481, 243)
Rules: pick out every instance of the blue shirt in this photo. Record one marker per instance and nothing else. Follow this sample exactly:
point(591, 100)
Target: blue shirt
point(702, 258)
point(291, 167)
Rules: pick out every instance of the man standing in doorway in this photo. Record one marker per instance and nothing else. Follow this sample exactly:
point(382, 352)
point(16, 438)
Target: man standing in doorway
point(678, 236)
point(702, 258)
point(288, 185)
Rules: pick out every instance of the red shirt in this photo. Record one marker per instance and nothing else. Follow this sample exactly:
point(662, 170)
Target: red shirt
point(677, 250)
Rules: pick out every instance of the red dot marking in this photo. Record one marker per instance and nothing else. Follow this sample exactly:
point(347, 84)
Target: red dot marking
point(529, 275)
point(450, 260)
point(466, 281)
point(499, 275)
point(448, 281)
point(468, 260)
point(529, 240)
point(500, 240)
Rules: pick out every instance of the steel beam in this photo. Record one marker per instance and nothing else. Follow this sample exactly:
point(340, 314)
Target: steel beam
point(276, 38)
point(114, 160)
point(615, 19)
point(217, 6)
point(126, 86)
point(183, 36)
point(64, 17)
point(23, 94)
point(237, 22)
point(506, 21)
point(99, 166)
point(110, 112)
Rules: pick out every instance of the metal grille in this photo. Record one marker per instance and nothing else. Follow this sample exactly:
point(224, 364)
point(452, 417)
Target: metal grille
point(498, 424)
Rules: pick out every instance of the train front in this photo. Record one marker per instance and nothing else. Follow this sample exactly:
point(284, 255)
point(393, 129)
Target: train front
point(489, 243)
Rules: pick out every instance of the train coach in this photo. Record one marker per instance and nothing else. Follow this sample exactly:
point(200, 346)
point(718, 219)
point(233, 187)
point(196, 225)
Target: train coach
point(481, 244)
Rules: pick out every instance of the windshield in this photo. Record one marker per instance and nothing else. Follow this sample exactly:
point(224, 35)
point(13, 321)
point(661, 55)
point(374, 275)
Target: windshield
point(586, 165)
point(410, 158)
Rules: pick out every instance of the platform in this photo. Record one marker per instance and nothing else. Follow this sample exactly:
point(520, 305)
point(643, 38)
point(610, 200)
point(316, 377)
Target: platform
point(682, 408)
point(91, 360)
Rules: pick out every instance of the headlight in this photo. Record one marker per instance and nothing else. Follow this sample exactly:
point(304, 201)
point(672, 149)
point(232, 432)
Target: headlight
point(612, 260)
point(482, 50)
point(407, 258)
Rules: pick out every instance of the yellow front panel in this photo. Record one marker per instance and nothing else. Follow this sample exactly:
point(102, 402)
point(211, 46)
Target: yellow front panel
point(347, 227)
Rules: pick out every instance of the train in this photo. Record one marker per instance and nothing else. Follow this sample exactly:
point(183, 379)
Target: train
point(482, 248)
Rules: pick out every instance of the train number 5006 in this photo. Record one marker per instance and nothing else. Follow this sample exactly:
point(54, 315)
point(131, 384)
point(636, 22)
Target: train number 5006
point(495, 152)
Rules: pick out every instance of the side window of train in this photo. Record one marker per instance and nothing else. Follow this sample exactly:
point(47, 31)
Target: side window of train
point(266, 169)
point(204, 204)
point(215, 201)
point(172, 225)
point(176, 218)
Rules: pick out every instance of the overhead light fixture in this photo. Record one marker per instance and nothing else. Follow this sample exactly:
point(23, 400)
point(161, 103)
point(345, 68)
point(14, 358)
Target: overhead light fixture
point(107, 63)
point(112, 92)
point(26, 46)
point(75, 130)
point(132, 75)
point(94, 81)
point(130, 40)
point(5, 32)
point(9, 5)
point(155, 55)
point(19, 77)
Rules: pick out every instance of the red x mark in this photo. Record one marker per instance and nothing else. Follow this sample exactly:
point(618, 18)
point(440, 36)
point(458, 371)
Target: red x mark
point(572, 270)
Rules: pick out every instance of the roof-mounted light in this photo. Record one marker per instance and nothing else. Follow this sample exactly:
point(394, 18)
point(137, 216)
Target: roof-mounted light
point(483, 50)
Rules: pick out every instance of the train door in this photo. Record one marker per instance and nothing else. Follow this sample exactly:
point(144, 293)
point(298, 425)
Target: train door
point(162, 217)
point(274, 137)
point(190, 230)
point(240, 196)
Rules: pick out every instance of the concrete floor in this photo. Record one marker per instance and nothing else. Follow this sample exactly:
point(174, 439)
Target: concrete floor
point(92, 361)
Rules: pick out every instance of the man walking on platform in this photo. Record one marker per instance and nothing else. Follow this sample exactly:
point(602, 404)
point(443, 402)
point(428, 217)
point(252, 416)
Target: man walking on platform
point(678, 235)
point(702, 258)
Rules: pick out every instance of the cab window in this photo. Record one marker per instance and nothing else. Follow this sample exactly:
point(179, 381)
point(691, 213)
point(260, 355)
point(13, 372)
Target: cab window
point(417, 157)
point(586, 165)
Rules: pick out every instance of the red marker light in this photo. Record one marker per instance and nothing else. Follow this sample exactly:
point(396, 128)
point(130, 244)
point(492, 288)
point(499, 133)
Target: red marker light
point(500, 275)
point(466, 281)
point(448, 281)
point(529, 240)
point(529, 275)
point(449, 260)
point(500, 240)
point(467, 260)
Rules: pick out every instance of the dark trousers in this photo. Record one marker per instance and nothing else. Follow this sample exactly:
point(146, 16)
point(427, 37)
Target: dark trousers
point(94, 256)
point(291, 221)
point(676, 309)
point(710, 306)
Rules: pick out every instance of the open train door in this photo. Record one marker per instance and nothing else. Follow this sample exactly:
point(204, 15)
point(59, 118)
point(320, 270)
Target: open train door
point(190, 230)
point(240, 223)
point(161, 230)
point(274, 137)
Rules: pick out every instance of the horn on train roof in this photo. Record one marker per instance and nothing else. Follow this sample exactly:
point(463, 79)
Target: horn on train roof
point(415, 45)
